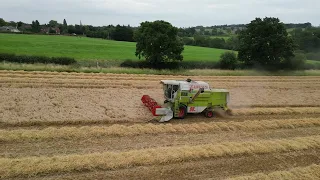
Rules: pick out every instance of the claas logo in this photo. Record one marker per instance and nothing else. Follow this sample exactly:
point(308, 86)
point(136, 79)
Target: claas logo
point(196, 86)
point(192, 109)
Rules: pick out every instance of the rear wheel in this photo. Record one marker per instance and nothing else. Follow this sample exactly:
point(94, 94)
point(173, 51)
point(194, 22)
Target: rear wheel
point(209, 114)
point(182, 112)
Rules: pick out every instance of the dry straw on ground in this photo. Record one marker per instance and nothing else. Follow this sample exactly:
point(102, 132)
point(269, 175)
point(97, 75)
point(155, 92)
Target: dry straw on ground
point(31, 166)
point(309, 172)
point(122, 130)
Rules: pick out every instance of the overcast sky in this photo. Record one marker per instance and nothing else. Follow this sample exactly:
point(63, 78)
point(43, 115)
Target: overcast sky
point(181, 13)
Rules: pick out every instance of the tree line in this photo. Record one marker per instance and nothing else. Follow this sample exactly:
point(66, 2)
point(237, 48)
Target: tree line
point(263, 42)
point(118, 32)
point(199, 34)
point(308, 41)
point(231, 43)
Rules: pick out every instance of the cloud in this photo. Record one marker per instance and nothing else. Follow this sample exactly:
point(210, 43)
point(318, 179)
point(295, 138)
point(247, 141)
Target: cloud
point(179, 12)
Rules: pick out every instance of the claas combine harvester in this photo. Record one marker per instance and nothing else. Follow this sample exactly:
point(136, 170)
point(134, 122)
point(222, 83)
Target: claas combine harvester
point(187, 96)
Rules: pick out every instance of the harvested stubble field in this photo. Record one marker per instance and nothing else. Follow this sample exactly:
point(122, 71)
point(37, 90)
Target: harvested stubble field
point(94, 126)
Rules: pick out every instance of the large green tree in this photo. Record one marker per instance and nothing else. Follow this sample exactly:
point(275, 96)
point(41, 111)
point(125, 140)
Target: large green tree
point(158, 42)
point(2, 22)
point(11, 23)
point(265, 43)
point(308, 39)
point(20, 24)
point(36, 26)
point(53, 23)
point(65, 23)
point(122, 33)
point(64, 28)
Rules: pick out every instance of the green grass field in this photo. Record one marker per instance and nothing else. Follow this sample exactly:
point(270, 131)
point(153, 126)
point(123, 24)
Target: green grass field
point(88, 48)
point(313, 62)
point(224, 37)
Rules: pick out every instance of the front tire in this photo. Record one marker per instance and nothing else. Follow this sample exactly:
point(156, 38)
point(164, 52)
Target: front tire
point(182, 112)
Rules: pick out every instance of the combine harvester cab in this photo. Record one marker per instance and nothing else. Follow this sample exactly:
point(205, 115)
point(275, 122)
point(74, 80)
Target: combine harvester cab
point(186, 97)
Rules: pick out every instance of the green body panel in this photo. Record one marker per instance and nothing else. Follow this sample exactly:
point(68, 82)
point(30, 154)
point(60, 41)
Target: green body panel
point(208, 99)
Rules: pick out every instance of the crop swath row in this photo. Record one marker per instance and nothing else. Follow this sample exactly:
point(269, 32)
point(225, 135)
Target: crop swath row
point(122, 130)
point(226, 81)
point(137, 85)
point(13, 123)
point(155, 84)
point(80, 76)
point(237, 112)
point(282, 111)
point(30, 166)
point(275, 106)
point(298, 173)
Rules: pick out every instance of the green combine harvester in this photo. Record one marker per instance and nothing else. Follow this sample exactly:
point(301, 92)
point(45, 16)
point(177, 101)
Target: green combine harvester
point(184, 97)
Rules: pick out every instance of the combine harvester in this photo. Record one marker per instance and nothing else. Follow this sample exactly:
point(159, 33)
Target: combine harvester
point(183, 97)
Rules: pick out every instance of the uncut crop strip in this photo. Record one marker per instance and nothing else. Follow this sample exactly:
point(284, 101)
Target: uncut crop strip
point(8, 82)
point(31, 166)
point(88, 76)
point(62, 81)
point(309, 172)
point(59, 80)
point(77, 81)
point(139, 81)
point(138, 85)
point(73, 85)
point(291, 84)
point(128, 77)
point(278, 111)
point(77, 77)
point(138, 129)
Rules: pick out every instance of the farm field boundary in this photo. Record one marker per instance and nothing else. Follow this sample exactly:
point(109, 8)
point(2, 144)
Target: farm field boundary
point(117, 70)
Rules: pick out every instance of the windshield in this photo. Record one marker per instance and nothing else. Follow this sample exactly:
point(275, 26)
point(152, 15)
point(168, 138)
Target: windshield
point(170, 90)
